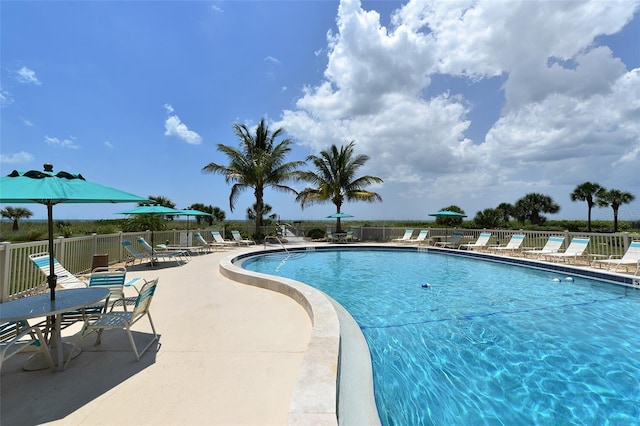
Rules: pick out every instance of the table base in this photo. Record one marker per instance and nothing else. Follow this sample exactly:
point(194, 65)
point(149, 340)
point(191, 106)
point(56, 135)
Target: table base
point(37, 362)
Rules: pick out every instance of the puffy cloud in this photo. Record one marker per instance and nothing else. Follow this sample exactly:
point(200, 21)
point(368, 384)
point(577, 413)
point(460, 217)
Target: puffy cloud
point(568, 107)
point(175, 127)
point(27, 76)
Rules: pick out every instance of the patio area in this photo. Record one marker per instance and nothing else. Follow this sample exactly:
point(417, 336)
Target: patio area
point(229, 354)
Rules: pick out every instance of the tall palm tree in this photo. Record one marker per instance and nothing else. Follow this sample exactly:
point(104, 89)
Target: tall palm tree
point(266, 212)
point(15, 214)
point(531, 205)
point(258, 163)
point(587, 191)
point(614, 198)
point(506, 211)
point(335, 179)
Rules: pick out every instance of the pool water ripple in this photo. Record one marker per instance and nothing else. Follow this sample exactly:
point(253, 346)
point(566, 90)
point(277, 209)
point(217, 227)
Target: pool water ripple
point(485, 343)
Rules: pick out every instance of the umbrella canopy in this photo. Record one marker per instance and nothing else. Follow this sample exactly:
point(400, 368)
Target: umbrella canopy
point(155, 210)
point(50, 188)
point(192, 212)
point(338, 215)
point(447, 213)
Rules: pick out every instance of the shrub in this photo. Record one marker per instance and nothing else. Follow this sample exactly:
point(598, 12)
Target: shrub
point(34, 235)
point(316, 234)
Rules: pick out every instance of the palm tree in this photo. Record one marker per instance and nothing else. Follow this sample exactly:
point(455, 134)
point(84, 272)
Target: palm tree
point(506, 211)
point(216, 213)
point(161, 201)
point(588, 192)
point(15, 214)
point(258, 163)
point(531, 205)
point(614, 198)
point(488, 218)
point(266, 212)
point(335, 179)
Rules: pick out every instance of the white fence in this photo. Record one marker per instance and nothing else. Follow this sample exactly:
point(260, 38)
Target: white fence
point(18, 275)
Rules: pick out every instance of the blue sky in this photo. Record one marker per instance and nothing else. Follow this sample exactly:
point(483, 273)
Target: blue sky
point(471, 103)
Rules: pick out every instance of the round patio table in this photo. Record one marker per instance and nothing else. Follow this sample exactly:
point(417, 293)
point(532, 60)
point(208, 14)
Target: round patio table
point(41, 305)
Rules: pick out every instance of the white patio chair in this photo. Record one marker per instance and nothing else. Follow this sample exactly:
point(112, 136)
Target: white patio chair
point(123, 320)
point(16, 336)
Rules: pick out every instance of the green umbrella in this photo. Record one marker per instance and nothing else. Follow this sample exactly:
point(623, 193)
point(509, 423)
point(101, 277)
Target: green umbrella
point(49, 188)
point(338, 216)
point(447, 213)
point(192, 212)
point(154, 209)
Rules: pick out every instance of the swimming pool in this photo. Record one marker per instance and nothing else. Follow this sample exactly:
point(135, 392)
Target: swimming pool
point(483, 343)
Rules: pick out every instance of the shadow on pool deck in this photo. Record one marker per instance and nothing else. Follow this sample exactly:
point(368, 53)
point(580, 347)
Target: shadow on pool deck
point(229, 354)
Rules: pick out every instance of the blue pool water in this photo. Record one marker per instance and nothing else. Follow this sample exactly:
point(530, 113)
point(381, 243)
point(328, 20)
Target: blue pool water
point(485, 343)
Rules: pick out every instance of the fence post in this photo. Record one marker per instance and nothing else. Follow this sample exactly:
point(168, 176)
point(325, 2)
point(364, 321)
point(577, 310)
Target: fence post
point(94, 243)
point(120, 246)
point(5, 268)
point(59, 250)
point(625, 241)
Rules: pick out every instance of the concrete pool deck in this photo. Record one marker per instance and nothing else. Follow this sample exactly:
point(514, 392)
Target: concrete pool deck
point(230, 354)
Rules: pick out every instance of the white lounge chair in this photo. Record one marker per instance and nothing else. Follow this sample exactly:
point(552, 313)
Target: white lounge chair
point(630, 258)
point(480, 243)
point(65, 279)
point(512, 246)
point(121, 320)
point(237, 237)
point(204, 243)
point(454, 241)
point(421, 238)
point(220, 240)
point(406, 237)
point(177, 255)
point(133, 254)
point(552, 245)
point(575, 250)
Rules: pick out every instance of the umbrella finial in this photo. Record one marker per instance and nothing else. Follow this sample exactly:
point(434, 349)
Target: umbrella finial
point(48, 167)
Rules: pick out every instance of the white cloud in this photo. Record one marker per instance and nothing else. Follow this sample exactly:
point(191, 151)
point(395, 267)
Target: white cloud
point(175, 127)
point(18, 157)
point(70, 142)
point(272, 60)
point(27, 122)
point(27, 76)
point(570, 108)
point(5, 98)
point(108, 145)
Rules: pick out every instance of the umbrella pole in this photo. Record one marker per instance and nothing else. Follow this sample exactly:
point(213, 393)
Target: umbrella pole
point(52, 279)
